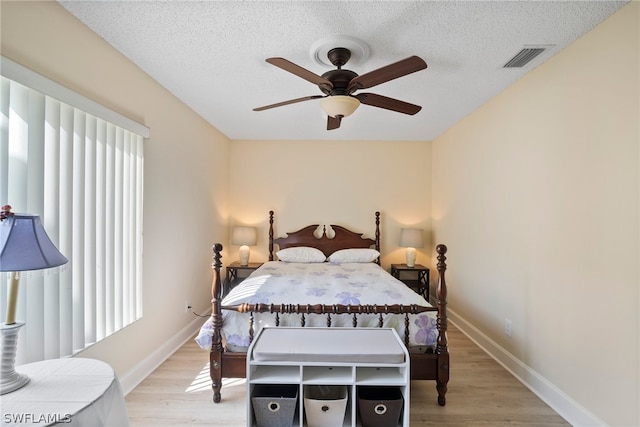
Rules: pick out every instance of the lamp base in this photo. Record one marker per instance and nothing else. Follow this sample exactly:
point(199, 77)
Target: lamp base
point(411, 257)
point(243, 254)
point(10, 380)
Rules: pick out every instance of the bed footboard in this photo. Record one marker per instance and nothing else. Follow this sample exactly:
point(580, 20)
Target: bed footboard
point(424, 366)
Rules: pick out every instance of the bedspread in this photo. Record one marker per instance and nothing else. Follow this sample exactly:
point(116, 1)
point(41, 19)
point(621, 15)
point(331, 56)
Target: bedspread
point(278, 282)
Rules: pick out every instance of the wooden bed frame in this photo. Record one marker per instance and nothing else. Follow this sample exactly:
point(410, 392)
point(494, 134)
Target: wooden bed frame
point(432, 365)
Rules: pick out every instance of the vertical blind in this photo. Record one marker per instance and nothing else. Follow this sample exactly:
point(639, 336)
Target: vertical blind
point(84, 176)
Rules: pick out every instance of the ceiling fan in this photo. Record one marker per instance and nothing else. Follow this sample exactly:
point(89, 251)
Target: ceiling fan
point(339, 85)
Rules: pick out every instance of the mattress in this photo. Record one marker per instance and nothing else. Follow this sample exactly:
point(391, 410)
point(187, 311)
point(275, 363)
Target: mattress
point(278, 282)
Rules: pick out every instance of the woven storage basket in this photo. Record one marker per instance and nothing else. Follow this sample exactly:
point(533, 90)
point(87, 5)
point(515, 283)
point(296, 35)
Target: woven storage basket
point(274, 405)
point(379, 406)
point(324, 406)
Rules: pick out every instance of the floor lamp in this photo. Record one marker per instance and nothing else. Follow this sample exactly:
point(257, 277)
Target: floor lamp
point(24, 246)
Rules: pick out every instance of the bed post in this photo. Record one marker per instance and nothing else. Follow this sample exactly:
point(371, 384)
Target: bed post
point(441, 323)
point(378, 234)
point(270, 235)
point(215, 356)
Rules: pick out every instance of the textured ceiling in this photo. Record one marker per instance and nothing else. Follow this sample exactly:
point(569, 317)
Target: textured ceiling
point(211, 55)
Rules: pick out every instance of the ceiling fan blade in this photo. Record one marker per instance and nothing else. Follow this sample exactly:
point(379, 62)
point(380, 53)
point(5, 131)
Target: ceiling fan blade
point(389, 72)
point(291, 101)
point(333, 122)
point(388, 103)
point(300, 72)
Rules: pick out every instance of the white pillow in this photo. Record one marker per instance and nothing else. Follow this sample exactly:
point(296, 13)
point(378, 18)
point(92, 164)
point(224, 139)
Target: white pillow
point(301, 254)
point(354, 255)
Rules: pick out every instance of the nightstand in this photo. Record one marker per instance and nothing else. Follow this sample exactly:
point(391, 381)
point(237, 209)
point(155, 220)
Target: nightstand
point(236, 273)
point(416, 277)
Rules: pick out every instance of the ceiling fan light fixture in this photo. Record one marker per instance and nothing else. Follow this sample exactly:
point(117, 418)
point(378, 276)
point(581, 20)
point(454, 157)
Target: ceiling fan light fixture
point(340, 105)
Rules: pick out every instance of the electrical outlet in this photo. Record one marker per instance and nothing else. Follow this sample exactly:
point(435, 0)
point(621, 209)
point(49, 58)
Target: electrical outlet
point(507, 327)
point(187, 306)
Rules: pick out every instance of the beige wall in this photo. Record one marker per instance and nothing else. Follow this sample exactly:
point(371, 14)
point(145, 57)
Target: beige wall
point(332, 182)
point(186, 173)
point(537, 196)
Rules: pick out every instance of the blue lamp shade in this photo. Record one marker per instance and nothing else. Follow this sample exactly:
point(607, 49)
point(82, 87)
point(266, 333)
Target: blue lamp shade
point(24, 245)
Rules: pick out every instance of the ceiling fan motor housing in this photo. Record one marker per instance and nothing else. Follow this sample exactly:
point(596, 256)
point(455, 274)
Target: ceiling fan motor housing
point(339, 56)
point(340, 80)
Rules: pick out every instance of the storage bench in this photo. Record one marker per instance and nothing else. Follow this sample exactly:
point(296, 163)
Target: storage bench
point(357, 360)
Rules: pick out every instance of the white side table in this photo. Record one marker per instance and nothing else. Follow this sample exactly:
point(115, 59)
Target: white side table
point(66, 392)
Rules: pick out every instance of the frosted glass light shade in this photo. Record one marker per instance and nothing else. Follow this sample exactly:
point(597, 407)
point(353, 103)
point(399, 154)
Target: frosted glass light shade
point(340, 105)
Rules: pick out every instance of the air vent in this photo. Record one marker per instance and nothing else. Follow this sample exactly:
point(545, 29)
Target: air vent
point(523, 57)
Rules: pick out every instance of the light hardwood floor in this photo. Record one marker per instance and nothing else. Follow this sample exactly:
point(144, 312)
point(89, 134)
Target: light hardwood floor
point(481, 393)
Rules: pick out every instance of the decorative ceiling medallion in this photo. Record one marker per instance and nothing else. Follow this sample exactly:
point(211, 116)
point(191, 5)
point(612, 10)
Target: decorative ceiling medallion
point(359, 49)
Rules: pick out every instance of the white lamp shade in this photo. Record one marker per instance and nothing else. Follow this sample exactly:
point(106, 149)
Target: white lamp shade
point(411, 238)
point(244, 236)
point(340, 105)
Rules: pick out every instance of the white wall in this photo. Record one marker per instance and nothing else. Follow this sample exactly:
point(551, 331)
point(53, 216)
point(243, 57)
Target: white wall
point(537, 196)
point(332, 182)
point(186, 176)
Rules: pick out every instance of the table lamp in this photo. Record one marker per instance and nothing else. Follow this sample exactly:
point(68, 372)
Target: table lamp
point(244, 236)
point(24, 246)
point(411, 238)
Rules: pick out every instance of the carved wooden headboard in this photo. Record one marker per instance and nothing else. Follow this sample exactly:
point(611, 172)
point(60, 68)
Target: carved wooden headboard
point(343, 238)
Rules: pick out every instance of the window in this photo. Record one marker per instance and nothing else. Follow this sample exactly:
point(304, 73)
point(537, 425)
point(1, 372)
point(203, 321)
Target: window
point(80, 167)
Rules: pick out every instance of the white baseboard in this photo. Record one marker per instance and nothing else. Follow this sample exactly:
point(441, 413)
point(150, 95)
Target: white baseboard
point(130, 379)
point(558, 400)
